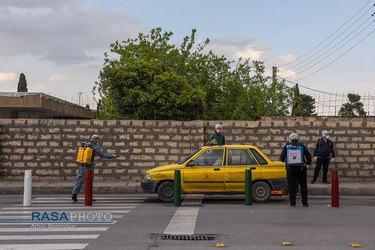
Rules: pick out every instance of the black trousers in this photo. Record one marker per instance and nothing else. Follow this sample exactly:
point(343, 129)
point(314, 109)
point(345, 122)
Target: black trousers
point(295, 174)
point(319, 162)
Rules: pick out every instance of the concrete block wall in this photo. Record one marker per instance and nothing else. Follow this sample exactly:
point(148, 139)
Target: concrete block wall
point(49, 147)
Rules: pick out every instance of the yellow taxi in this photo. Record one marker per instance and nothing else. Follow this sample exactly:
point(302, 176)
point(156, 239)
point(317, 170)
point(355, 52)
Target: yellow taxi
point(219, 170)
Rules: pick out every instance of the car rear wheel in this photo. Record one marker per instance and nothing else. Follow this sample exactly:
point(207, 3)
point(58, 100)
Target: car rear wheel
point(261, 191)
point(165, 192)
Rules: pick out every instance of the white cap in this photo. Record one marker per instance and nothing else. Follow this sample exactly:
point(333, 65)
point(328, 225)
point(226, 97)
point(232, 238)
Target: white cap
point(217, 126)
point(325, 133)
point(294, 137)
point(94, 137)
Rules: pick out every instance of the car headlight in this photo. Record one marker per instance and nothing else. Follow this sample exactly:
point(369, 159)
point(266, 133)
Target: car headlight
point(148, 176)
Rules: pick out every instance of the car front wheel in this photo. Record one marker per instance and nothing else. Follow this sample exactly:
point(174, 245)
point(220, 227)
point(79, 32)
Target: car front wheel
point(261, 191)
point(165, 192)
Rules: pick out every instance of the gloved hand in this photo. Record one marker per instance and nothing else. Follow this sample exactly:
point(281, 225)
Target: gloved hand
point(315, 158)
point(332, 160)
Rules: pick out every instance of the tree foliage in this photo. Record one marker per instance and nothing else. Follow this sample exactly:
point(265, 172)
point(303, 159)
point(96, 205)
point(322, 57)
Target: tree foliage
point(151, 78)
point(22, 83)
point(306, 106)
point(352, 108)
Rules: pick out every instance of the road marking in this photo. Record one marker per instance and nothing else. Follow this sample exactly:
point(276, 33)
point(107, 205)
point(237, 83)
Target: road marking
point(70, 208)
point(185, 218)
point(67, 212)
point(72, 202)
point(183, 221)
point(97, 198)
point(16, 224)
point(11, 217)
point(53, 229)
point(49, 237)
point(5, 223)
point(43, 246)
point(193, 200)
point(77, 204)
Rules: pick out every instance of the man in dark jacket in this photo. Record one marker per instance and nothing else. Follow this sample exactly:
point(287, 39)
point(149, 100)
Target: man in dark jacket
point(217, 138)
point(296, 171)
point(80, 180)
point(323, 155)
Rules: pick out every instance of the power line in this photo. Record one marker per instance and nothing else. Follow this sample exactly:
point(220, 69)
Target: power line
point(299, 72)
point(328, 36)
point(337, 57)
point(369, 97)
point(306, 64)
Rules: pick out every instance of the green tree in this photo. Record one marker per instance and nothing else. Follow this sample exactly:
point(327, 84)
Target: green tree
point(22, 83)
point(151, 78)
point(306, 106)
point(352, 108)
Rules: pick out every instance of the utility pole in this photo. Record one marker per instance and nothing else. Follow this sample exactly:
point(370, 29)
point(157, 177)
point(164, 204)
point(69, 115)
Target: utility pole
point(273, 88)
point(79, 98)
point(274, 73)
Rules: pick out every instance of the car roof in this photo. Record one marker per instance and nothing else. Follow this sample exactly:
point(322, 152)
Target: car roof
point(231, 146)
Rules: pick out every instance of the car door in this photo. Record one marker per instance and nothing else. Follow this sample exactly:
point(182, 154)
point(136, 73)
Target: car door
point(238, 160)
point(204, 173)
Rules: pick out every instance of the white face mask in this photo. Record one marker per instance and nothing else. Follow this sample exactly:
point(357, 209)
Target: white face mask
point(327, 136)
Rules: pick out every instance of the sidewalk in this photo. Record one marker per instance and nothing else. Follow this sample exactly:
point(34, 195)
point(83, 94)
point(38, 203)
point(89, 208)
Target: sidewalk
point(348, 189)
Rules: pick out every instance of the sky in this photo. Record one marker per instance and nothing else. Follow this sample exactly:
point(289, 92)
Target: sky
point(60, 45)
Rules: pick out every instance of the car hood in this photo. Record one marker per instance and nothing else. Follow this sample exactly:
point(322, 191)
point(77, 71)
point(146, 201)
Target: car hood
point(165, 168)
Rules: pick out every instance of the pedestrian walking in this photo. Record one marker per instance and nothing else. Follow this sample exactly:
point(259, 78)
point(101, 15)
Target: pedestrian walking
point(217, 138)
point(323, 155)
point(296, 156)
point(80, 180)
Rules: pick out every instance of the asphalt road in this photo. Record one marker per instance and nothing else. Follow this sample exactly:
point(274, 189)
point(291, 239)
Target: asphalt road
point(138, 221)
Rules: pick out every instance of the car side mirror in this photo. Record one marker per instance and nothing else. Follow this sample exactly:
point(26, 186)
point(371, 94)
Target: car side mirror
point(191, 164)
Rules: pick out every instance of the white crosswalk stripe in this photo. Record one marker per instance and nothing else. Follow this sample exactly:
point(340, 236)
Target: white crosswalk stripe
point(70, 208)
point(18, 225)
point(43, 246)
point(16, 206)
point(43, 210)
point(5, 223)
point(14, 217)
point(98, 199)
point(49, 237)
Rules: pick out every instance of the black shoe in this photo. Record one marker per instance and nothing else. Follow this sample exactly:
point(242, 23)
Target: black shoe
point(292, 205)
point(93, 200)
point(313, 181)
point(74, 197)
point(305, 205)
point(326, 182)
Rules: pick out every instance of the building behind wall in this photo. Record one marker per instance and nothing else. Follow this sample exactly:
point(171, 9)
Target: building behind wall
point(29, 105)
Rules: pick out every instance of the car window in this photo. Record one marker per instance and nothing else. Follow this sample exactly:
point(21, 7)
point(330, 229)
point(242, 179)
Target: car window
point(212, 157)
point(240, 157)
point(260, 158)
point(188, 158)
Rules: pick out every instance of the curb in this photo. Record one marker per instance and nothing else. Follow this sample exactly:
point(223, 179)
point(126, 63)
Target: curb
point(345, 189)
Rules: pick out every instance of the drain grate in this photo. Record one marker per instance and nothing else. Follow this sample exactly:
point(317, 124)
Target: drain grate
point(197, 237)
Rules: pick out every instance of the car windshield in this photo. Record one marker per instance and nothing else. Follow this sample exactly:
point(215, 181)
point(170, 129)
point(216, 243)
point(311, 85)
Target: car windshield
point(188, 158)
